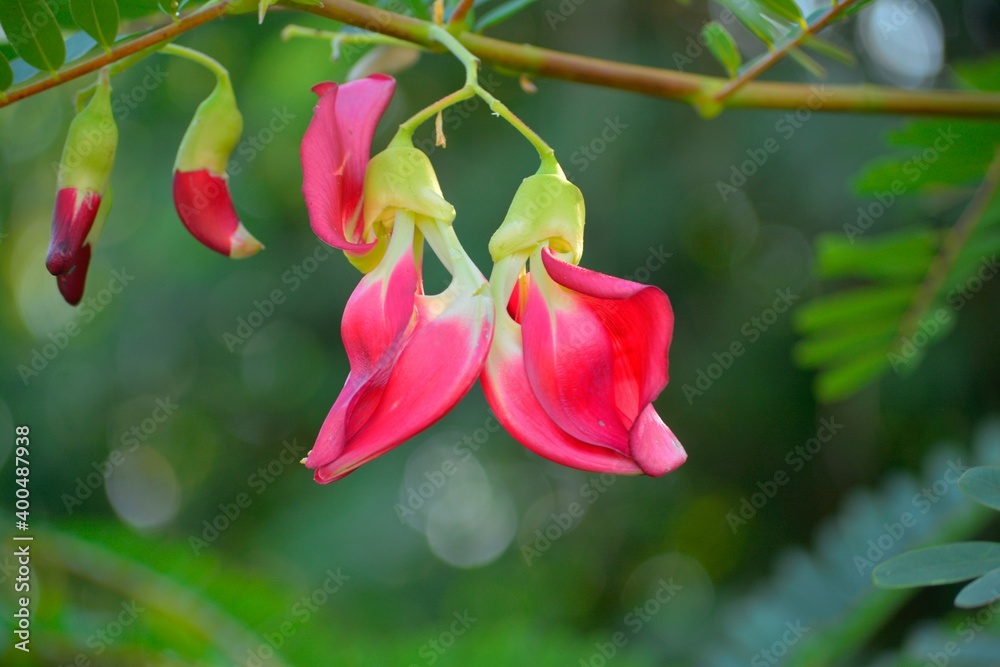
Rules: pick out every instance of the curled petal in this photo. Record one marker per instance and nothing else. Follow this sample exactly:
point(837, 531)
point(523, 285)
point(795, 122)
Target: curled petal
point(75, 213)
point(335, 152)
point(653, 446)
point(413, 357)
point(595, 349)
point(206, 209)
point(505, 384)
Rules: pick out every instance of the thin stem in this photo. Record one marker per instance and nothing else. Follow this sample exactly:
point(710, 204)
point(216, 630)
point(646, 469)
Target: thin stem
point(951, 248)
point(205, 61)
point(461, 11)
point(119, 52)
point(765, 62)
point(292, 31)
point(471, 62)
point(407, 128)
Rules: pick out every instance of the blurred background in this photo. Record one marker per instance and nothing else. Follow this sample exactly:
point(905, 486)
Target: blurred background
point(174, 525)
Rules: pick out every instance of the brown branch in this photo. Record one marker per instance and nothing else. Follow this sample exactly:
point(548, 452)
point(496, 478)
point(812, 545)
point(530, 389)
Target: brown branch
point(765, 62)
point(668, 84)
point(951, 248)
point(118, 52)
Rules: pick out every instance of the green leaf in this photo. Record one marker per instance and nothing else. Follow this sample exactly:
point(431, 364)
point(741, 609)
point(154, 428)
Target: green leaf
point(839, 382)
point(722, 46)
point(783, 9)
point(823, 349)
point(501, 13)
point(934, 566)
point(830, 50)
point(982, 485)
point(848, 307)
point(807, 63)
point(97, 18)
point(903, 255)
point(33, 32)
point(763, 29)
point(6, 74)
point(982, 591)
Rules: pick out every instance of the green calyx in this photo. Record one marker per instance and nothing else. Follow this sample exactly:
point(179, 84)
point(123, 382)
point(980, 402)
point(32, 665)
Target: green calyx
point(546, 209)
point(401, 178)
point(89, 152)
point(213, 133)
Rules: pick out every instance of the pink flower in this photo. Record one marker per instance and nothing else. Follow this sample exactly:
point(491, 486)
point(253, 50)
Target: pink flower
point(412, 356)
point(335, 152)
point(577, 359)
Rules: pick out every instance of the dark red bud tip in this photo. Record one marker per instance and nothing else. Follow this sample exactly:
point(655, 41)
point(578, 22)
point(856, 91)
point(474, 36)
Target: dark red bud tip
point(74, 216)
point(72, 281)
point(206, 209)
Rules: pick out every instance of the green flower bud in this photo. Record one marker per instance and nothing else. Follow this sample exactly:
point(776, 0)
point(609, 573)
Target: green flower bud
point(214, 132)
point(402, 178)
point(546, 208)
point(89, 153)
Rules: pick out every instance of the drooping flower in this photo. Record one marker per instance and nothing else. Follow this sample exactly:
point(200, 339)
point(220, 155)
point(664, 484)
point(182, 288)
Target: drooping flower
point(201, 184)
point(577, 357)
point(335, 152)
point(412, 356)
point(84, 174)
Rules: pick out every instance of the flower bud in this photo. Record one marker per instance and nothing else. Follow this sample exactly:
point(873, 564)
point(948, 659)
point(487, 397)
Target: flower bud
point(201, 185)
point(84, 172)
point(72, 281)
point(402, 178)
point(546, 207)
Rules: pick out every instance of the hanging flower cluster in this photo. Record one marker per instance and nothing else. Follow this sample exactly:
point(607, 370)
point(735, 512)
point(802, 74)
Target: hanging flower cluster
point(570, 359)
point(201, 187)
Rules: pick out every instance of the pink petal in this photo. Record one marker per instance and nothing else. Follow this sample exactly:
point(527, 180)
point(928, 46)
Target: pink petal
point(569, 361)
point(509, 394)
point(71, 282)
point(654, 446)
point(205, 207)
point(378, 316)
point(335, 151)
point(595, 349)
point(74, 216)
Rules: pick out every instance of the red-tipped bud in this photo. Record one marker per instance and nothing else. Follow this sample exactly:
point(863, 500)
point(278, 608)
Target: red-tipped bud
point(201, 186)
point(84, 172)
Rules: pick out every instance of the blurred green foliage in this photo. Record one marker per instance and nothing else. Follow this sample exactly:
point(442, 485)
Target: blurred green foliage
point(163, 473)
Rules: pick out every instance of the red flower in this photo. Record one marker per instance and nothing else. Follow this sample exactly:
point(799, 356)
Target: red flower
point(412, 356)
point(335, 153)
point(577, 359)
